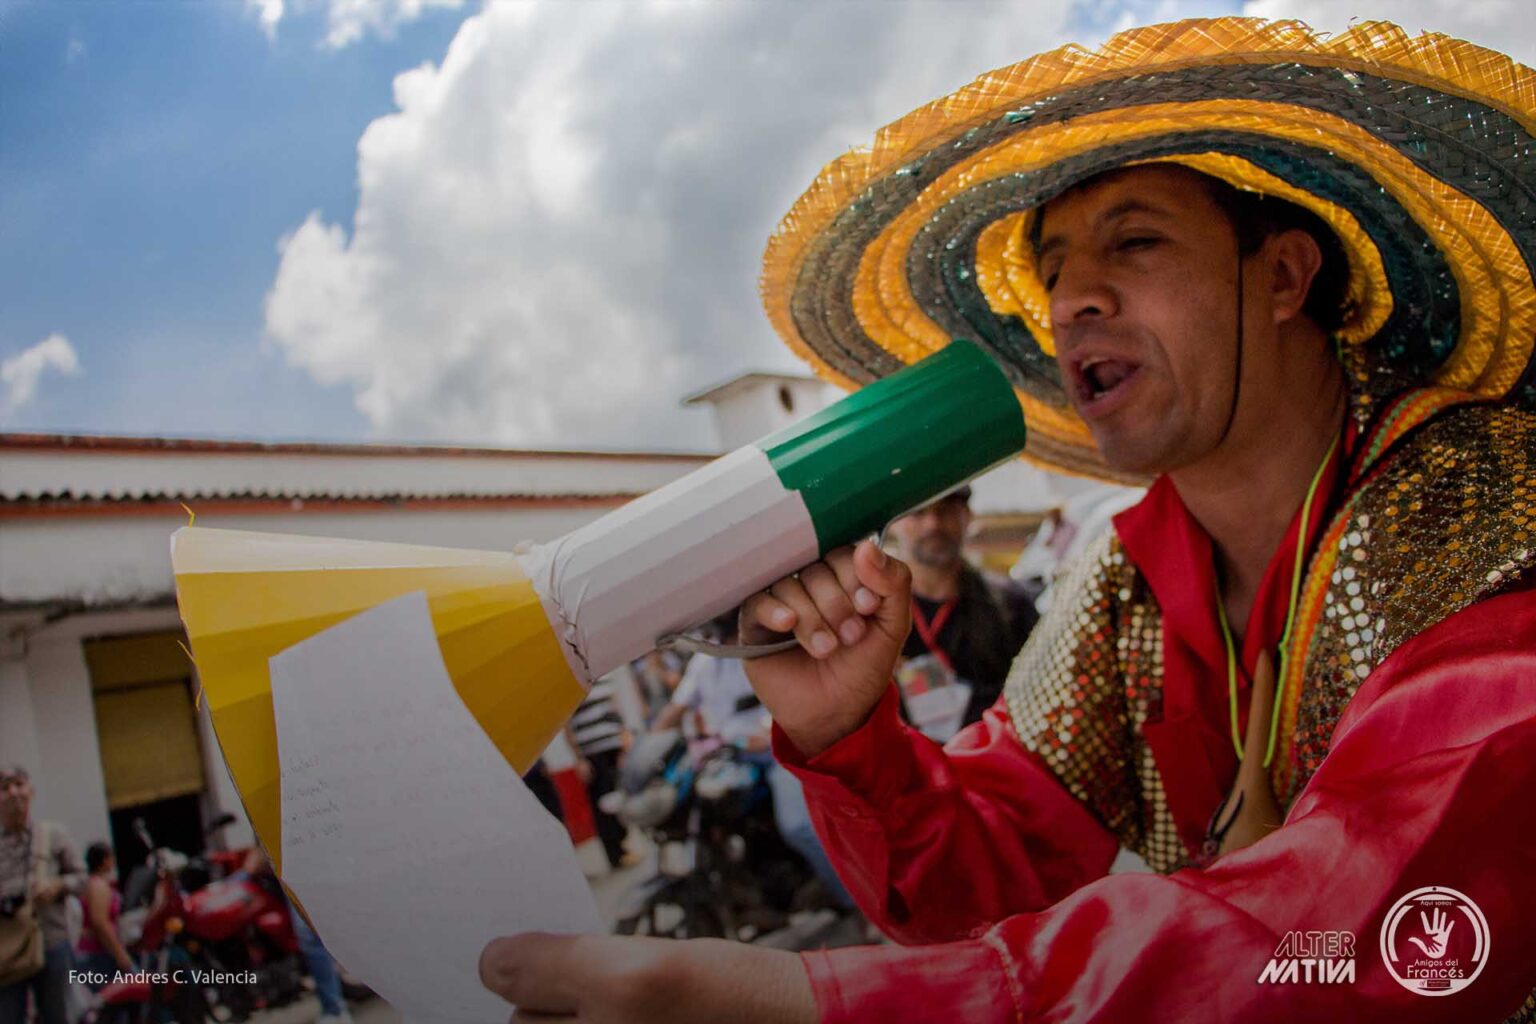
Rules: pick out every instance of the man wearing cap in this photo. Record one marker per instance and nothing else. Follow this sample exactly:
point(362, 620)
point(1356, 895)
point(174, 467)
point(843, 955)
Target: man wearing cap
point(1288, 281)
point(39, 870)
point(966, 628)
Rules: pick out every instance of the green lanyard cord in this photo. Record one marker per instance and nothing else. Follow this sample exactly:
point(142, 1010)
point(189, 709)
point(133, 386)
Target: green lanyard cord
point(1290, 622)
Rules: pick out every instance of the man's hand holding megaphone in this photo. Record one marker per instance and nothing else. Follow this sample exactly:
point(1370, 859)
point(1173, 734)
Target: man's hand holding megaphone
point(851, 613)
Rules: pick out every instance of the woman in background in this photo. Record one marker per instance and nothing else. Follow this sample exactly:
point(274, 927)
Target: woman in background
point(101, 949)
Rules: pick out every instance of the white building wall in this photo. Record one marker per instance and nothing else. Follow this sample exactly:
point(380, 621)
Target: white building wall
point(221, 795)
point(67, 771)
point(18, 725)
point(1018, 486)
point(100, 559)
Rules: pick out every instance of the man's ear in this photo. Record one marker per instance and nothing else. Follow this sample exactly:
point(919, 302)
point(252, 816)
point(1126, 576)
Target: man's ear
point(1295, 259)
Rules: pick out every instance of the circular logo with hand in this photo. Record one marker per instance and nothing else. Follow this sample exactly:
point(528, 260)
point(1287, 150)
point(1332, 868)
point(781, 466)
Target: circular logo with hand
point(1435, 941)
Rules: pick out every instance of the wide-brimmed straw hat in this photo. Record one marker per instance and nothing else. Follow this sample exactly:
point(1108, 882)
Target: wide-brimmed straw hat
point(1417, 151)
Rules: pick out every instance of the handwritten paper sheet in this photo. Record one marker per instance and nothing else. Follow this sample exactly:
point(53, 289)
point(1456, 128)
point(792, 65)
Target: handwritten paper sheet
point(406, 835)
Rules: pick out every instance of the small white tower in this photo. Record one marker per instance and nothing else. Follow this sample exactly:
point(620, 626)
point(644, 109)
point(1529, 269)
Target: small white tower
point(753, 405)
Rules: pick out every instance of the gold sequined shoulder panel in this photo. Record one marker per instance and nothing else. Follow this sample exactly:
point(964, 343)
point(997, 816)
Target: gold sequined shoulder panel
point(1449, 519)
point(1087, 680)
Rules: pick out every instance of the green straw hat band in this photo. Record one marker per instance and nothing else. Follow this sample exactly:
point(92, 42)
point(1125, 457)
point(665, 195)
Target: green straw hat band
point(1418, 337)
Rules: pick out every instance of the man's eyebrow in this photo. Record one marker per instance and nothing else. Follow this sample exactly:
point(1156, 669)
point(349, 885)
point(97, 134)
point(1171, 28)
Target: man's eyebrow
point(1129, 205)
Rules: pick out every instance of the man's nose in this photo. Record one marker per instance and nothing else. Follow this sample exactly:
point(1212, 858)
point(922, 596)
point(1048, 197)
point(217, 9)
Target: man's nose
point(1081, 292)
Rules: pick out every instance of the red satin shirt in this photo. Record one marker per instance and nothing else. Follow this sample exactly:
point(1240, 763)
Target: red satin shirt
point(994, 878)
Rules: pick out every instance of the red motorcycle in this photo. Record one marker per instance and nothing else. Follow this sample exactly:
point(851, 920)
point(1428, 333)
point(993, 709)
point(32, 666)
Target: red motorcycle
point(239, 930)
point(230, 939)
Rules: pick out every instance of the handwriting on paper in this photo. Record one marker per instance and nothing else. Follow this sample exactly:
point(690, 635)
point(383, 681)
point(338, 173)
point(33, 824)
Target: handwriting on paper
point(406, 835)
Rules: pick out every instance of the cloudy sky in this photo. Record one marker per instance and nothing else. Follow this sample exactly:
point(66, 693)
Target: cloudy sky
point(513, 223)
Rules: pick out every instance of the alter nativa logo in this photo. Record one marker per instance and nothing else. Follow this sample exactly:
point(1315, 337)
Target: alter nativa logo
point(1312, 958)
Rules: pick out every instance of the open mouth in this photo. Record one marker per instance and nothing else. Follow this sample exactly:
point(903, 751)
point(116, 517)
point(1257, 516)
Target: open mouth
point(1100, 378)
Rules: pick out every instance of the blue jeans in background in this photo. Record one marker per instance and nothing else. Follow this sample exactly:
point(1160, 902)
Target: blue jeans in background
point(794, 820)
point(321, 967)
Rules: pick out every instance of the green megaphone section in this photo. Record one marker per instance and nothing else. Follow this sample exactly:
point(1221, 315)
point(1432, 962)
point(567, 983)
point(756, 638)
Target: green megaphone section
point(900, 442)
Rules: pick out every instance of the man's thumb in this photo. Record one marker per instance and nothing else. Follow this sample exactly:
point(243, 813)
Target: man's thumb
point(879, 572)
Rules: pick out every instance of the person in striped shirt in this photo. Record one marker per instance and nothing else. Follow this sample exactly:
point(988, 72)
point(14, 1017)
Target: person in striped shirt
point(599, 737)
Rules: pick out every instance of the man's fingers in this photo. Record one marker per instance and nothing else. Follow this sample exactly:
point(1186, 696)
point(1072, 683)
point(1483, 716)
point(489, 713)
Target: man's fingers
point(763, 617)
point(535, 971)
point(810, 628)
point(833, 602)
point(827, 603)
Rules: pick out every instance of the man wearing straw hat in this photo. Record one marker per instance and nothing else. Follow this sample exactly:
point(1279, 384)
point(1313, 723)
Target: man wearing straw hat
point(1287, 280)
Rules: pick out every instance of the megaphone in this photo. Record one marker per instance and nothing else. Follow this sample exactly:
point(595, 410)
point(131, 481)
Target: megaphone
point(524, 634)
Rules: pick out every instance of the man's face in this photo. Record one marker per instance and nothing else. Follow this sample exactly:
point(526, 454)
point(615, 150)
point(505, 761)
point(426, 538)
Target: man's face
point(933, 535)
point(15, 800)
point(1141, 267)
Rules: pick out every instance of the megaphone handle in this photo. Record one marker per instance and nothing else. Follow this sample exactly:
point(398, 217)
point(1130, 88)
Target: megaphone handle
point(698, 645)
point(745, 652)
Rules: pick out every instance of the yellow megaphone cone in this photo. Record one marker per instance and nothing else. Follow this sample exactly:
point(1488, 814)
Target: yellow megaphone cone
point(245, 597)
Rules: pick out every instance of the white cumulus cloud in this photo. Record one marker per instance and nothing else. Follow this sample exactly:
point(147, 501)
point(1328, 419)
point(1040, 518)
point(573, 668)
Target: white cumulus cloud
point(19, 375)
point(347, 21)
point(268, 13)
point(559, 230)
